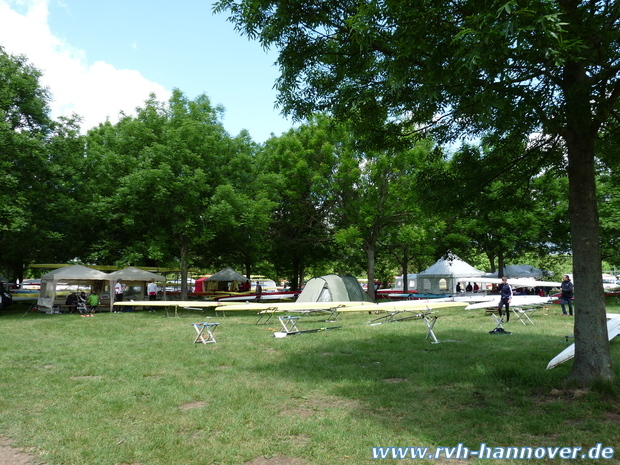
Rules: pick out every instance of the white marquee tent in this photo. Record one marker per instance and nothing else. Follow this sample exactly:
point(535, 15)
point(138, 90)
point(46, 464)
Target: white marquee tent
point(441, 278)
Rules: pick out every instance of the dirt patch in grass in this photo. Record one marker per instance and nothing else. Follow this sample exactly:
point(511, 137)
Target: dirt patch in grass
point(13, 456)
point(612, 417)
point(193, 405)
point(276, 461)
point(310, 406)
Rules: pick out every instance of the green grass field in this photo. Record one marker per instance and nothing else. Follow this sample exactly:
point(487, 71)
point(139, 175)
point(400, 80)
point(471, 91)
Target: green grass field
point(133, 388)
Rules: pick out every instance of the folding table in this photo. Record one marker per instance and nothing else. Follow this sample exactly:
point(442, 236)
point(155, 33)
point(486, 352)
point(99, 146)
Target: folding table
point(201, 328)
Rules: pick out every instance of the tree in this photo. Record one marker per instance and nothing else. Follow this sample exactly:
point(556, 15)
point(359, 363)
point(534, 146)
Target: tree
point(373, 196)
point(499, 217)
point(156, 175)
point(24, 128)
point(297, 169)
point(541, 71)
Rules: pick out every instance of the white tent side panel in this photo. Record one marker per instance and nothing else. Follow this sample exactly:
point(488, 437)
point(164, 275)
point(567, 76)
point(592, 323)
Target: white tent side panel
point(47, 294)
point(313, 291)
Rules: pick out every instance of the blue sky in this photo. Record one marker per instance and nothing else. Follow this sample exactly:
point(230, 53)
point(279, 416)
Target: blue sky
point(100, 57)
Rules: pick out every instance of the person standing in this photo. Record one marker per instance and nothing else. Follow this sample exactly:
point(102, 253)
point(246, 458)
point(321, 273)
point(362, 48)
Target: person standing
point(151, 290)
point(505, 296)
point(119, 287)
point(258, 290)
point(567, 288)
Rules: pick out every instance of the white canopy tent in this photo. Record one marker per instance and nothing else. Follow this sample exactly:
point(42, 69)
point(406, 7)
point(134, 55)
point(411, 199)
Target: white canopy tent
point(412, 282)
point(133, 276)
point(441, 278)
point(75, 274)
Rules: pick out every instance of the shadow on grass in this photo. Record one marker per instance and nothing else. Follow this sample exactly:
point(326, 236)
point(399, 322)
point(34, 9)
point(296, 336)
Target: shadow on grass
point(485, 388)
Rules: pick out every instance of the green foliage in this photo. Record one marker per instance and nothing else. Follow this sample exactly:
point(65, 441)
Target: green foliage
point(156, 174)
point(488, 211)
point(297, 170)
point(26, 174)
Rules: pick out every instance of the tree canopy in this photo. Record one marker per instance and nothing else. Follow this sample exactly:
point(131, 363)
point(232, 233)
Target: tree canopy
point(534, 82)
point(543, 73)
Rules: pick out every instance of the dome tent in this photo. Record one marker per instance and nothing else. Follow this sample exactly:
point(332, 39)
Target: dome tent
point(333, 288)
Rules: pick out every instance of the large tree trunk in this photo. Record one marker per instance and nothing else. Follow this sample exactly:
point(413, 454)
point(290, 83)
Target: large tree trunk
point(592, 354)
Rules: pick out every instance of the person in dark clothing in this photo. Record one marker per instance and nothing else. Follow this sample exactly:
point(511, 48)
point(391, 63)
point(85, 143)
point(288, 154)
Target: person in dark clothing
point(505, 296)
point(567, 295)
point(72, 300)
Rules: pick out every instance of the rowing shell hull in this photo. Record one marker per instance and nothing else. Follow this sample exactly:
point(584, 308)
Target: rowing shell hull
point(517, 301)
point(613, 329)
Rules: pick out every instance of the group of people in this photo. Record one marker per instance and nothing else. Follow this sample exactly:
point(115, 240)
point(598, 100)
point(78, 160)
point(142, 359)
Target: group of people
point(468, 288)
point(119, 291)
point(84, 305)
point(566, 299)
point(88, 305)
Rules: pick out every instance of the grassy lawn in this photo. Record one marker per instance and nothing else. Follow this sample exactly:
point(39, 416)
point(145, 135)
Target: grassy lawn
point(132, 388)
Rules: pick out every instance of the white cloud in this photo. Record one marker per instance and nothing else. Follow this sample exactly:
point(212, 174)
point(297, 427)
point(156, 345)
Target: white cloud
point(94, 91)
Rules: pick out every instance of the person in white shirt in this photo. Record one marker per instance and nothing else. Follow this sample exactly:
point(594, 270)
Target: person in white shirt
point(119, 287)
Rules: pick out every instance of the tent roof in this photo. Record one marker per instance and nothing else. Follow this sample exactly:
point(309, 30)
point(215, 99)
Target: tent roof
point(452, 266)
point(75, 272)
point(522, 271)
point(135, 274)
point(226, 275)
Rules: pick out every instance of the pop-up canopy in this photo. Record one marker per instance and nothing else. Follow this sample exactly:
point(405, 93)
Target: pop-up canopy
point(224, 280)
point(75, 274)
point(136, 276)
